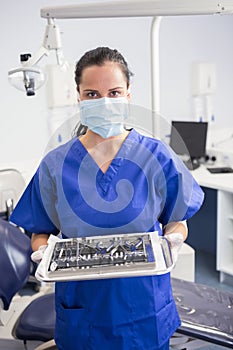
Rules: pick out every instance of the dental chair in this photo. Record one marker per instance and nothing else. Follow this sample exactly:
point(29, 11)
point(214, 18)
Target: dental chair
point(206, 314)
point(24, 317)
point(12, 185)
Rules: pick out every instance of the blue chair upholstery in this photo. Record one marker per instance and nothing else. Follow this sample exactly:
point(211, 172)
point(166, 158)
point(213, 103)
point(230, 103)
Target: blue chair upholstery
point(206, 312)
point(15, 251)
point(37, 321)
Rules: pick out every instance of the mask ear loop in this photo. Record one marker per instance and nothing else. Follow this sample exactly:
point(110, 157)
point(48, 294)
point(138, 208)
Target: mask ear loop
point(79, 129)
point(128, 95)
point(78, 95)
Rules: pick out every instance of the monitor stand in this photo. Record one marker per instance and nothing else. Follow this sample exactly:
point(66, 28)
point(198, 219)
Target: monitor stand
point(192, 164)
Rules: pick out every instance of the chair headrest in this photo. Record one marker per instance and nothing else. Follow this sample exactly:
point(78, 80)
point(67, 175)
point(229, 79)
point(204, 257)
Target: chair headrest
point(15, 251)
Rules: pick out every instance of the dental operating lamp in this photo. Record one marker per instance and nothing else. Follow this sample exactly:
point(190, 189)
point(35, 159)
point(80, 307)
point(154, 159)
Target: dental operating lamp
point(29, 77)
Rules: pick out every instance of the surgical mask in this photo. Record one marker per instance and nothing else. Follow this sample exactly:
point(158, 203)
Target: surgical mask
point(105, 116)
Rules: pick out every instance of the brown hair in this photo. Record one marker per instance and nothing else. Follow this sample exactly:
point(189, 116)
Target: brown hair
point(98, 57)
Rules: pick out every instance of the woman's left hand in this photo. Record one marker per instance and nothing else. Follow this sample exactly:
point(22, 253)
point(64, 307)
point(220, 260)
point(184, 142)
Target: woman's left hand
point(176, 242)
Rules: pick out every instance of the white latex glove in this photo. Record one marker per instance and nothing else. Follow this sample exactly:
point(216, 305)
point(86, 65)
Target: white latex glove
point(38, 254)
point(176, 242)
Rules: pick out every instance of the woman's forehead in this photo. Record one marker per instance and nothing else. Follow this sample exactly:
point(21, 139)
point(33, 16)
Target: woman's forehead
point(110, 72)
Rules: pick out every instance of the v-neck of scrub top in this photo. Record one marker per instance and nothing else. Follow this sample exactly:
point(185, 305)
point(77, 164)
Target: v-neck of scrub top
point(104, 179)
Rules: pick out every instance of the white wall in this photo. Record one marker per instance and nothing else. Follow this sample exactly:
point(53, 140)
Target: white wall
point(189, 39)
point(23, 131)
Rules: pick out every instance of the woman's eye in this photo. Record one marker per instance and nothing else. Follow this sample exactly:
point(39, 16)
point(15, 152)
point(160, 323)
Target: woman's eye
point(115, 93)
point(92, 94)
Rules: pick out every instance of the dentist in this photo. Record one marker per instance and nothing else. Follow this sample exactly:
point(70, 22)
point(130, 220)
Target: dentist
point(109, 181)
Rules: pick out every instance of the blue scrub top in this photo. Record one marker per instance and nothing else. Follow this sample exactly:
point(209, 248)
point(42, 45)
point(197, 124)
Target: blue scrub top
point(146, 185)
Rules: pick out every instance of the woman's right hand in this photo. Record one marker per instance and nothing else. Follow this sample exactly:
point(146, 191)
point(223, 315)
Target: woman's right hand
point(39, 242)
point(38, 254)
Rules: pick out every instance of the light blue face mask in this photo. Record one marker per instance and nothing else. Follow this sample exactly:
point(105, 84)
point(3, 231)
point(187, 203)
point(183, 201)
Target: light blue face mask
point(105, 116)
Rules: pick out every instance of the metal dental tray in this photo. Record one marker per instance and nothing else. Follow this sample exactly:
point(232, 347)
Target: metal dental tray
point(108, 256)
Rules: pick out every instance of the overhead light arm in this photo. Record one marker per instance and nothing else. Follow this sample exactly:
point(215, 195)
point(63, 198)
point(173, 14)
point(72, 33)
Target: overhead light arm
point(139, 8)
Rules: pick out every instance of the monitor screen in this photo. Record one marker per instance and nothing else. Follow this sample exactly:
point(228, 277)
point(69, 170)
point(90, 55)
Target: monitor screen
point(189, 138)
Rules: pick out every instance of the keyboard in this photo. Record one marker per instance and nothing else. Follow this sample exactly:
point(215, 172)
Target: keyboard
point(220, 170)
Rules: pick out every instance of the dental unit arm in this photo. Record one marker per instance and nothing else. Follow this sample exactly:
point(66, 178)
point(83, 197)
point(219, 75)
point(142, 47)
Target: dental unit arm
point(29, 76)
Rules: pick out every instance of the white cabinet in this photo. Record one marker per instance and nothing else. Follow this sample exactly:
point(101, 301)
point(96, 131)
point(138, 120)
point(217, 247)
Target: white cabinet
point(217, 219)
point(225, 234)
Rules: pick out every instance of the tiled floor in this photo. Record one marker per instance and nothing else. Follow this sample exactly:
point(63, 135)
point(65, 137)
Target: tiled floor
point(17, 345)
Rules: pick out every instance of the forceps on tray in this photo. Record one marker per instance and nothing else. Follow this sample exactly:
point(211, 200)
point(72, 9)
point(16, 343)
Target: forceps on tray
point(108, 256)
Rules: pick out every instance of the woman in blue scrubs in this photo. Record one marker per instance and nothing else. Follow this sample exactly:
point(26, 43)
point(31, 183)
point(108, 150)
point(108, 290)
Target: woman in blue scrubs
point(109, 181)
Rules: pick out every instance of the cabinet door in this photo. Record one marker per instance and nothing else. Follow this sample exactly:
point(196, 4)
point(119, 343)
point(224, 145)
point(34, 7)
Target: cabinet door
point(225, 233)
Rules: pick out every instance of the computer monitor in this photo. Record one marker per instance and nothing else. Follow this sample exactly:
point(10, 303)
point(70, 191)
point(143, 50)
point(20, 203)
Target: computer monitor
point(188, 139)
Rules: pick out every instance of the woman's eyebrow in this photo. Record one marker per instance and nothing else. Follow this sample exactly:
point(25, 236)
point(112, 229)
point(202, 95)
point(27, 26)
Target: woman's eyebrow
point(90, 90)
point(116, 88)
